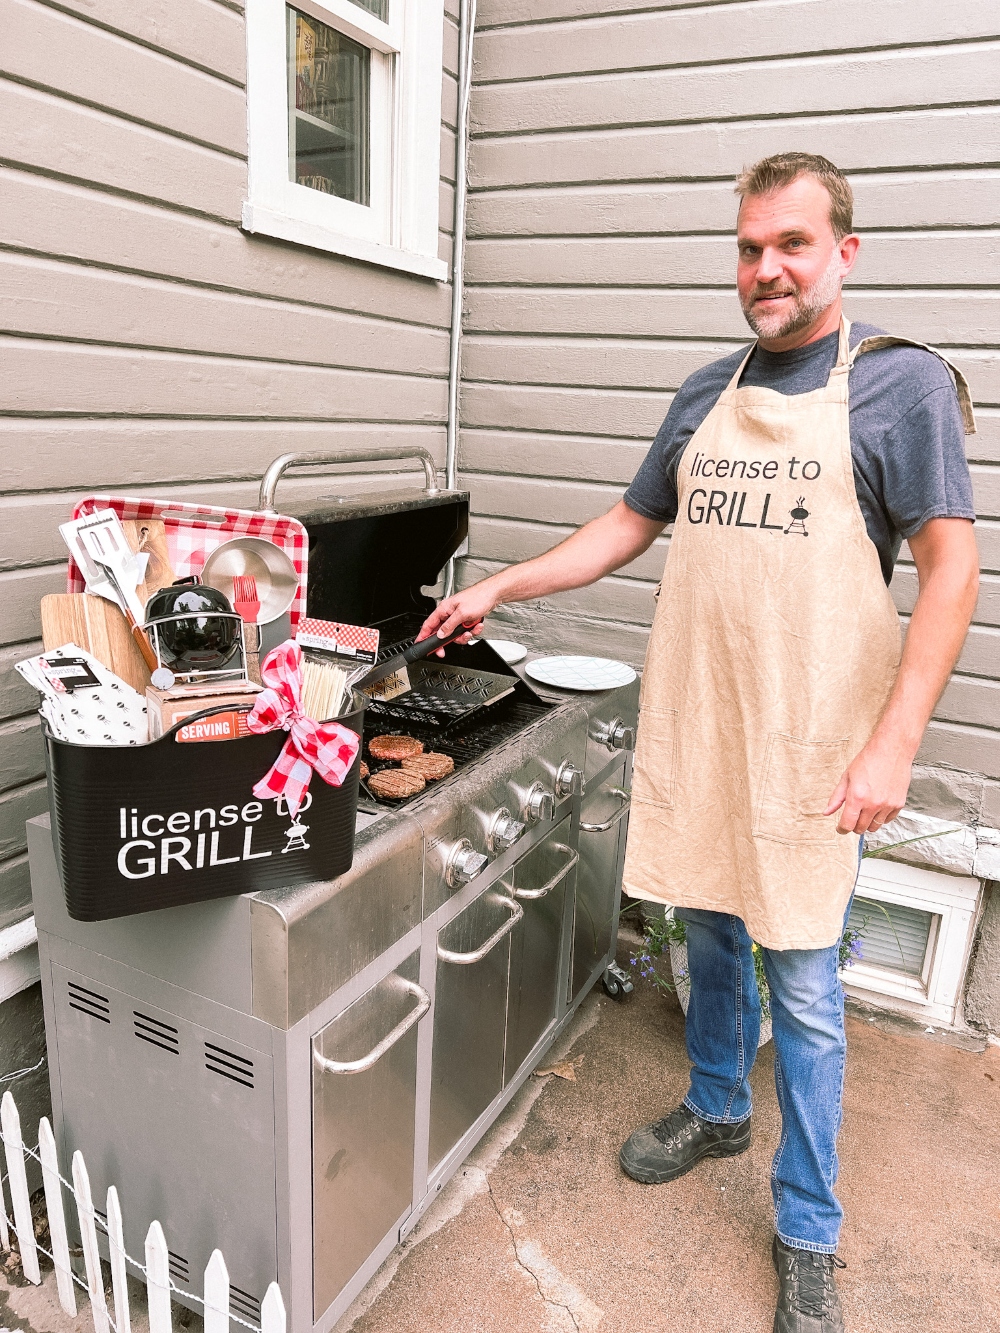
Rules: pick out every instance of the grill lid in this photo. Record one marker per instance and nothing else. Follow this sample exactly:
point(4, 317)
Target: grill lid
point(370, 554)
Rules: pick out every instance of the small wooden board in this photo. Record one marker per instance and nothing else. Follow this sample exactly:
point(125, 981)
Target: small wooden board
point(95, 624)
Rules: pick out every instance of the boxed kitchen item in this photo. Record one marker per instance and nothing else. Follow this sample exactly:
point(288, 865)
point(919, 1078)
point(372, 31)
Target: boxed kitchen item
point(165, 708)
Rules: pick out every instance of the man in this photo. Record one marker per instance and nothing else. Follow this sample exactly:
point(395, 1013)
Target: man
point(778, 718)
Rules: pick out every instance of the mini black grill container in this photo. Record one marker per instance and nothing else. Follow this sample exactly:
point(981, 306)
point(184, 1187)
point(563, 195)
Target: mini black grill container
point(112, 867)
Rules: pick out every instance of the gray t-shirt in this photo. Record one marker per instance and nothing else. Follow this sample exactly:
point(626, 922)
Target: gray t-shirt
point(907, 435)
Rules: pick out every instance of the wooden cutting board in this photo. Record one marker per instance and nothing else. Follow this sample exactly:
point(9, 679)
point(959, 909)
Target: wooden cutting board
point(148, 535)
point(95, 624)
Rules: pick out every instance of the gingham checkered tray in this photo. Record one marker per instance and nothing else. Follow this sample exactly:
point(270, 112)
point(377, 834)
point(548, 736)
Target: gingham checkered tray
point(194, 531)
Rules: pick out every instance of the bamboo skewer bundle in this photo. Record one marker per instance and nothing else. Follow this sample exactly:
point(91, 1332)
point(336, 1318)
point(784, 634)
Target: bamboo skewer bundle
point(323, 688)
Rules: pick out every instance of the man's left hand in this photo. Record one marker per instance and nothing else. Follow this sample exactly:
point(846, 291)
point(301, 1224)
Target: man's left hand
point(873, 789)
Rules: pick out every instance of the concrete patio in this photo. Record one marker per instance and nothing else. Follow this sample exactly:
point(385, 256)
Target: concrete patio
point(540, 1232)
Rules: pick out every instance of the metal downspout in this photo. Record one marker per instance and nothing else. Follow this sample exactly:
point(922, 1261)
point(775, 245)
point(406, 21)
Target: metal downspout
point(466, 30)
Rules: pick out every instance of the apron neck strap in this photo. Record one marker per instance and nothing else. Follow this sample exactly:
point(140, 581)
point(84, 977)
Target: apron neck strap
point(844, 358)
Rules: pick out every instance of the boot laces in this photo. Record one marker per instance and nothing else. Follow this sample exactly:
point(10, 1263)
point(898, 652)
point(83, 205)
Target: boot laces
point(674, 1128)
point(812, 1276)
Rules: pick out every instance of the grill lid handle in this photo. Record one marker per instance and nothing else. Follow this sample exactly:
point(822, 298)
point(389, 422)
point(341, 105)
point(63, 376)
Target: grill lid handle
point(269, 484)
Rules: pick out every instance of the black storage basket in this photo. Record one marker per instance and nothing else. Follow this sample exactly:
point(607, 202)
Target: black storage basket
point(121, 817)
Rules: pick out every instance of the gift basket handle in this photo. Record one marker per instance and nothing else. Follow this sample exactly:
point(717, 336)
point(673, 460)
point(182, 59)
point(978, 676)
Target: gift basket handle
point(269, 483)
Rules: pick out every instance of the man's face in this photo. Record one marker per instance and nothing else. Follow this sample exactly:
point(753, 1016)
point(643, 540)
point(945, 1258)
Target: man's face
point(790, 266)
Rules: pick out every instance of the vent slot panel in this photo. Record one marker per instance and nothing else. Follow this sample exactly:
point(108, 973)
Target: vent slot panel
point(89, 1002)
point(178, 1266)
point(156, 1032)
point(243, 1304)
point(230, 1065)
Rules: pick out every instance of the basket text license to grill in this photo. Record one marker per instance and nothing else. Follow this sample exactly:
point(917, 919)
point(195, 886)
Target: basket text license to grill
point(143, 827)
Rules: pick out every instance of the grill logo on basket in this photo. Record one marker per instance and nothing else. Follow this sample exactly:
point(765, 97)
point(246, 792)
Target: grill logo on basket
point(156, 844)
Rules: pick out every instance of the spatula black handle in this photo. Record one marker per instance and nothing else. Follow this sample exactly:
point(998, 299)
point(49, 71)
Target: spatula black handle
point(412, 654)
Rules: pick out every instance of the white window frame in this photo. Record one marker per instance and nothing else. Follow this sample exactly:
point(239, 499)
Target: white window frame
point(399, 226)
point(954, 902)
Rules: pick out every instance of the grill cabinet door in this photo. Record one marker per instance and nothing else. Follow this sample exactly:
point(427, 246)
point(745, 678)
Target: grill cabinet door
point(363, 1127)
point(470, 1011)
point(540, 881)
point(598, 874)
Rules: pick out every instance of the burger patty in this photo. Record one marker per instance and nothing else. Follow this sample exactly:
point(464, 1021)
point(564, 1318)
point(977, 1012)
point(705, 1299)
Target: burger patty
point(430, 766)
point(395, 783)
point(363, 771)
point(394, 747)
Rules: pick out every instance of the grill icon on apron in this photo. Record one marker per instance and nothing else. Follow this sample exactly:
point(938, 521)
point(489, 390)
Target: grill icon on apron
point(799, 515)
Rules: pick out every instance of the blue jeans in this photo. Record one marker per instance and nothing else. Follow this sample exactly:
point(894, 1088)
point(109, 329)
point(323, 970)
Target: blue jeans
point(807, 1016)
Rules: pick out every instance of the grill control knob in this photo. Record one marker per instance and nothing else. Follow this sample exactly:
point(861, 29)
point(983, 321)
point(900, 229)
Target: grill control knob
point(568, 780)
point(539, 805)
point(620, 736)
point(464, 864)
point(504, 831)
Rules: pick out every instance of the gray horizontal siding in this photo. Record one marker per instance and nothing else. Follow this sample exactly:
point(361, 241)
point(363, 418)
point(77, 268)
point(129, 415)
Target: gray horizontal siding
point(606, 135)
point(149, 344)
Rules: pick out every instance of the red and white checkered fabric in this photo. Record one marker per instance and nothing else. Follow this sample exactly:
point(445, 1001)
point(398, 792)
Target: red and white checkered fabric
point(329, 748)
point(358, 638)
point(194, 531)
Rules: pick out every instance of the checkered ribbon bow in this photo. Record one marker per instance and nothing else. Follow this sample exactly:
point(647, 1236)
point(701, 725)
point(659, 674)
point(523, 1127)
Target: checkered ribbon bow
point(327, 747)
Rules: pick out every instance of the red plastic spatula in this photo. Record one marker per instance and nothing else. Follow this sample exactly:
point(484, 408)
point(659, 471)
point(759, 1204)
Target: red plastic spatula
point(246, 603)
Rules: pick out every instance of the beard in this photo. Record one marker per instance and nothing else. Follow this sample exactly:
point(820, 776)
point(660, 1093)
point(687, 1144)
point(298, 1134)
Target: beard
point(807, 302)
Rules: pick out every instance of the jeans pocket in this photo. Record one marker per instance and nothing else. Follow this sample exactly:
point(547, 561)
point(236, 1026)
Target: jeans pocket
point(655, 757)
point(800, 776)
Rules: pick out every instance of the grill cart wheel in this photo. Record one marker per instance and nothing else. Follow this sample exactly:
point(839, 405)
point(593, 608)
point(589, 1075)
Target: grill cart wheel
point(617, 982)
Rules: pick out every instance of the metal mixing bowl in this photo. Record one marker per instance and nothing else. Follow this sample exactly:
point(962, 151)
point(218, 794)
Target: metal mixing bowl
point(277, 581)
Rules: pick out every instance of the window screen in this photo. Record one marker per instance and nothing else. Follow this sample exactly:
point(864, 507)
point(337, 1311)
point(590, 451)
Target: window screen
point(894, 937)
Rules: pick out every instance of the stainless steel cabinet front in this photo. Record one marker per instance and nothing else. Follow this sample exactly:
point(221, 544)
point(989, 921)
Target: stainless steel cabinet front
point(470, 1014)
point(603, 822)
point(364, 1075)
point(539, 882)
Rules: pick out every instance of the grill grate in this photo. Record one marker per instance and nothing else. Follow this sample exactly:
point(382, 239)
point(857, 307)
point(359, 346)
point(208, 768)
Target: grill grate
point(180, 1269)
point(163, 1035)
point(230, 1065)
point(503, 721)
point(86, 1001)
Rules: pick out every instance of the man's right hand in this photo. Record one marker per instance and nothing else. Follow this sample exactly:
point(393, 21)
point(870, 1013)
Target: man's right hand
point(469, 607)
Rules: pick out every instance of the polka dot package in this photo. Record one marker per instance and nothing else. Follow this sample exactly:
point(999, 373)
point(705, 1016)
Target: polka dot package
point(82, 701)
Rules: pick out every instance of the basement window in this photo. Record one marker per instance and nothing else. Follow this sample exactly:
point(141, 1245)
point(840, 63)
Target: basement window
point(918, 931)
point(344, 108)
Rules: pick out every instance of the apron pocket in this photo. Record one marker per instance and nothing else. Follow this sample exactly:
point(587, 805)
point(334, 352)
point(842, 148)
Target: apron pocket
point(655, 757)
point(799, 779)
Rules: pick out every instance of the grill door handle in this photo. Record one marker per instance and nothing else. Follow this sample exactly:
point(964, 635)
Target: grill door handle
point(375, 1054)
point(529, 895)
point(623, 809)
point(516, 913)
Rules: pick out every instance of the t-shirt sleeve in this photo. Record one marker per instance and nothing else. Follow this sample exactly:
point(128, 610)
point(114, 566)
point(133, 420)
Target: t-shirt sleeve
point(653, 492)
point(925, 472)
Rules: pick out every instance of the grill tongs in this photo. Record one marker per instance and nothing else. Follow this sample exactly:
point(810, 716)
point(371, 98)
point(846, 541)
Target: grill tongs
point(440, 695)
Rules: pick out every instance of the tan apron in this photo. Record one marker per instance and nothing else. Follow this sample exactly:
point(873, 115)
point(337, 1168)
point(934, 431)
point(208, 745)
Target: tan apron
point(773, 652)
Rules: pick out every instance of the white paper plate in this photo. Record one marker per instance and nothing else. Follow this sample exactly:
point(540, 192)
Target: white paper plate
point(580, 673)
point(510, 651)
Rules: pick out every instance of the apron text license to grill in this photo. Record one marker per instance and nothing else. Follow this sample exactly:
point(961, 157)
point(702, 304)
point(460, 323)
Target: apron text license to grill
point(774, 649)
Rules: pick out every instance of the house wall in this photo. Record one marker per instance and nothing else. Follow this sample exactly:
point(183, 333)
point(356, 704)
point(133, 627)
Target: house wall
point(606, 136)
point(149, 343)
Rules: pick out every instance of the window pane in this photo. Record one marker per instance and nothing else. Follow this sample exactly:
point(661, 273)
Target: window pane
point(894, 937)
point(380, 8)
point(328, 111)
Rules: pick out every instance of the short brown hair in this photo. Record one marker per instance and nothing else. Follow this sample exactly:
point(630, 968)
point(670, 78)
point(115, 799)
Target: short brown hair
point(774, 173)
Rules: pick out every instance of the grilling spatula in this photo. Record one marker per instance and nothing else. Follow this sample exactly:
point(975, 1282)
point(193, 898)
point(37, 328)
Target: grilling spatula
point(390, 679)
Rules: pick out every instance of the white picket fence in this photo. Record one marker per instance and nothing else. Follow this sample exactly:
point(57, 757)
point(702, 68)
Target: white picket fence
point(155, 1271)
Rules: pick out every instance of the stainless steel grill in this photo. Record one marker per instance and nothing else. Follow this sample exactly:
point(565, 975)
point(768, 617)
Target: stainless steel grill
point(293, 1075)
